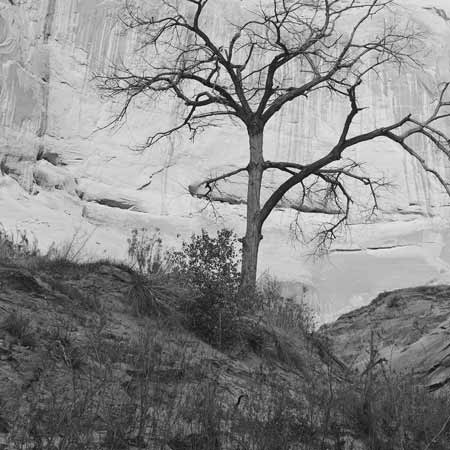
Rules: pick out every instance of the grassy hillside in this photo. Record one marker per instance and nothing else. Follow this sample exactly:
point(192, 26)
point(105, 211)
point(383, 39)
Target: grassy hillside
point(106, 356)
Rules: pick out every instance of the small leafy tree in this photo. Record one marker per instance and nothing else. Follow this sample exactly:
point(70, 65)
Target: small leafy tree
point(279, 52)
point(210, 265)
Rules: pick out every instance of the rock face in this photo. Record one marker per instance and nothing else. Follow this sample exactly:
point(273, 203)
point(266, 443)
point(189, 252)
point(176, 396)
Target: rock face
point(409, 327)
point(61, 175)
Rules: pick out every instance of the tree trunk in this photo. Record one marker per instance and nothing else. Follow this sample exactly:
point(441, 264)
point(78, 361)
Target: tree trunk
point(250, 243)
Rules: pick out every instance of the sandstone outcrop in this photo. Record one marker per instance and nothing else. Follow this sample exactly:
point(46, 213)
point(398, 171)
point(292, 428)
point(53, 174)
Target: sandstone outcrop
point(409, 329)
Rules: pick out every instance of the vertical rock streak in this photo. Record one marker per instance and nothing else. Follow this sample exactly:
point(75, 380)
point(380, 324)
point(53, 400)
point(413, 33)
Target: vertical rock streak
point(47, 31)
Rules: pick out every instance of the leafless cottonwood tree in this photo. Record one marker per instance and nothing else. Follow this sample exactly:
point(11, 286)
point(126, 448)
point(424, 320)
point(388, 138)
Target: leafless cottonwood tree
point(331, 45)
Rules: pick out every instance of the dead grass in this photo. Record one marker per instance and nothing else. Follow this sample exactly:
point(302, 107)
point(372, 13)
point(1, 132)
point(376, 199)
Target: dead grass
point(17, 245)
point(159, 392)
point(20, 327)
point(156, 295)
point(279, 388)
point(288, 314)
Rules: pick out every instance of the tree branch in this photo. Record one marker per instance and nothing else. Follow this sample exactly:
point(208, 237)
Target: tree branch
point(344, 143)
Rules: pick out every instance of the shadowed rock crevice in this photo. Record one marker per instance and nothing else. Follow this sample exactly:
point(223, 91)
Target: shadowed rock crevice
point(45, 75)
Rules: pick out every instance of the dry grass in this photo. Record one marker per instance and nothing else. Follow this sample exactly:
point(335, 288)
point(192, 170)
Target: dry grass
point(164, 388)
point(20, 327)
point(17, 245)
point(287, 314)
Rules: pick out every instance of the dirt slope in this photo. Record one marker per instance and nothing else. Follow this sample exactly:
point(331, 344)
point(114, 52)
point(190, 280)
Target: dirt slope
point(80, 367)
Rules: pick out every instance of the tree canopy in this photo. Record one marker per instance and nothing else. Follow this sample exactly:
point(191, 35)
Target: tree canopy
point(282, 51)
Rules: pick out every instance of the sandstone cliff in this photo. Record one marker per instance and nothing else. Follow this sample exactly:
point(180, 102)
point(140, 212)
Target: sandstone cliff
point(59, 174)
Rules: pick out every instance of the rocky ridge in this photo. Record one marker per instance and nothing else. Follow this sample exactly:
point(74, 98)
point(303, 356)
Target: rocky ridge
point(408, 328)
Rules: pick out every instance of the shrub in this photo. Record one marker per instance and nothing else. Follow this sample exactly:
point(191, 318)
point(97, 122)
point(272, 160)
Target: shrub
point(210, 263)
point(210, 266)
point(155, 295)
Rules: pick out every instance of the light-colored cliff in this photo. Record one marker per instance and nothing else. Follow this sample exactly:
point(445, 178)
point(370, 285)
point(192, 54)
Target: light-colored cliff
point(60, 175)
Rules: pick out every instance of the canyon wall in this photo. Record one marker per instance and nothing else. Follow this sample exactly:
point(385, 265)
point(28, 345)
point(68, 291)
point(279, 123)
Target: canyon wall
point(63, 176)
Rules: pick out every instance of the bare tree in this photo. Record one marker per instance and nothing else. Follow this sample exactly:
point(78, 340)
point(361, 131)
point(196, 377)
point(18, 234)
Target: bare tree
point(332, 45)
